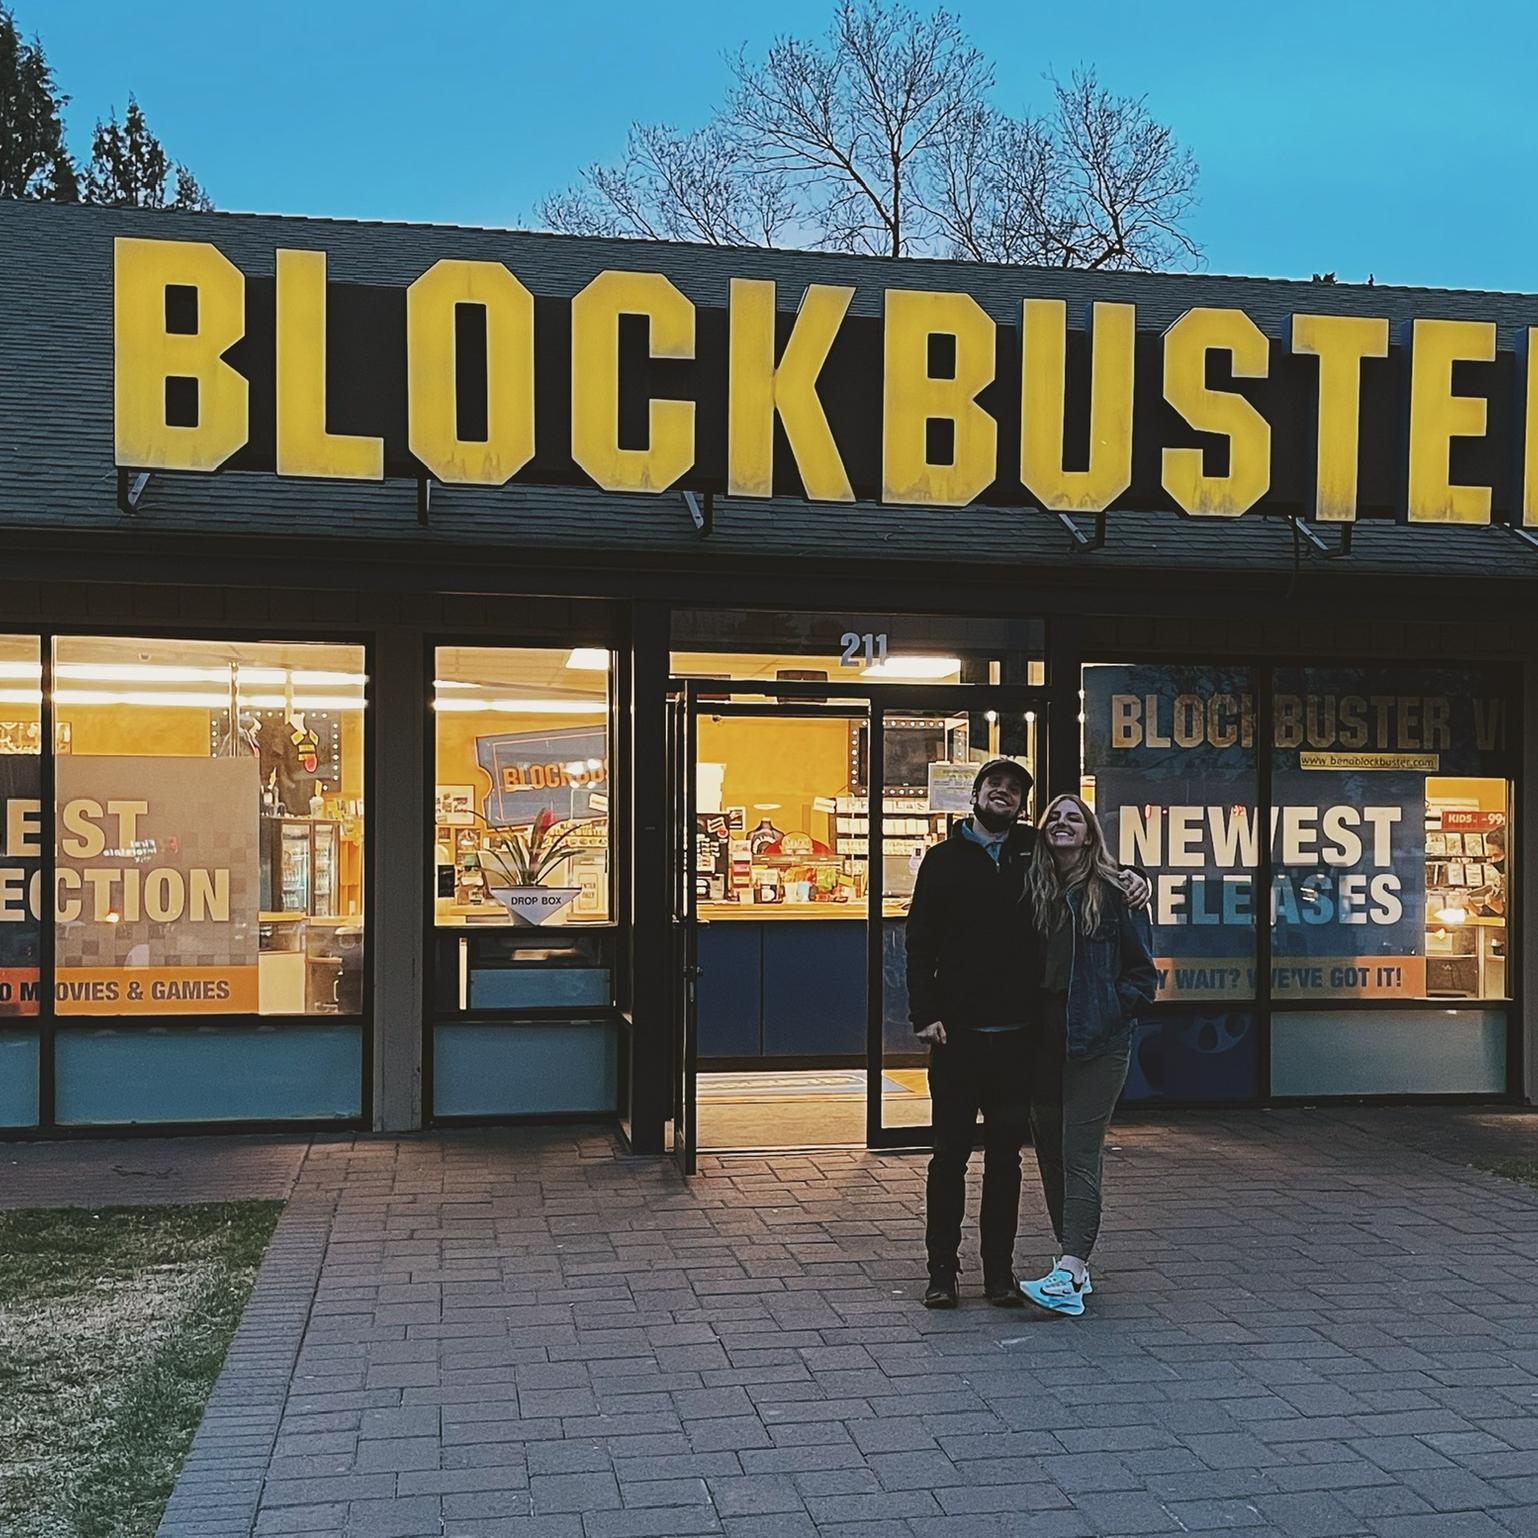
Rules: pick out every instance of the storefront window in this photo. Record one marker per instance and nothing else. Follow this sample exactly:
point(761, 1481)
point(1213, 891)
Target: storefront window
point(209, 834)
point(1389, 807)
point(20, 836)
point(1392, 866)
point(781, 821)
point(1169, 766)
point(521, 805)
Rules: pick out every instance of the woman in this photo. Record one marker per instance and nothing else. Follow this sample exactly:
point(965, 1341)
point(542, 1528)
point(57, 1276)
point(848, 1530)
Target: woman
point(1096, 973)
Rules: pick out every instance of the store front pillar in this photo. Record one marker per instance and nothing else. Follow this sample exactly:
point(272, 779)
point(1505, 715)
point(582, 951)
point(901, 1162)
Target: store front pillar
point(1065, 660)
point(649, 897)
point(1521, 847)
point(397, 813)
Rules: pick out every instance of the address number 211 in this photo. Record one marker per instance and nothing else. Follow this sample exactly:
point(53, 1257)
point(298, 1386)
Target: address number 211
point(862, 649)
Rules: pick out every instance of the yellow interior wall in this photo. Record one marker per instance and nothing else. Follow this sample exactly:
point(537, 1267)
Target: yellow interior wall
point(352, 753)
point(138, 730)
point(784, 761)
point(141, 730)
point(1485, 795)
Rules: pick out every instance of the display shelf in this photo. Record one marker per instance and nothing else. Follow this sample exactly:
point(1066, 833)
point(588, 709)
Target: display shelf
point(1465, 878)
point(775, 913)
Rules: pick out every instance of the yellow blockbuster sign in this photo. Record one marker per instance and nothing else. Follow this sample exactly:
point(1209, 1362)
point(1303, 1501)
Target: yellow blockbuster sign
point(924, 397)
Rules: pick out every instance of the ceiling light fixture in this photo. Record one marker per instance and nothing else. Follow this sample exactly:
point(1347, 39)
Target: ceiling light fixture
point(524, 707)
point(918, 668)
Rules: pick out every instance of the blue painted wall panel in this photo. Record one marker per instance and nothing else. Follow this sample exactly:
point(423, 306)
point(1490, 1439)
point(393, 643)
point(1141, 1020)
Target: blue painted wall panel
point(18, 1079)
point(814, 987)
point(111, 1075)
point(1195, 1052)
point(896, 1028)
point(525, 1070)
point(1425, 1051)
point(730, 1000)
point(540, 988)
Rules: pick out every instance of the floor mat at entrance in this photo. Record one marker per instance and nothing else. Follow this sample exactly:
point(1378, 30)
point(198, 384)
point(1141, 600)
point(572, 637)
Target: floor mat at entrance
point(789, 1086)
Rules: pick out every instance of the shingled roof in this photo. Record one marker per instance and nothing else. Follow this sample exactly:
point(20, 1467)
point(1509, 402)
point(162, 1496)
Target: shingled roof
point(58, 481)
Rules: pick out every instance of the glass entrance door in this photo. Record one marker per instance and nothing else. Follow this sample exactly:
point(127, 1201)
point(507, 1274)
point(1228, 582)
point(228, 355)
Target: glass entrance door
point(683, 933)
point(926, 749)
point(779, 911)
point(801, 818)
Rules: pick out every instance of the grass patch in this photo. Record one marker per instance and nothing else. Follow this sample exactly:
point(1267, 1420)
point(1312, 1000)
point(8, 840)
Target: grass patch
point(1525, 1170)
point(113, 1326)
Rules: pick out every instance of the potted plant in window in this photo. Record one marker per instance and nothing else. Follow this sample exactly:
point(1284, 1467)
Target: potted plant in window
point(516, 862)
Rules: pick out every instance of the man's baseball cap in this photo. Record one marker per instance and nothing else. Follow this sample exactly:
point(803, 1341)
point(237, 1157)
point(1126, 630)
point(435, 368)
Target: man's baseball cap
point(994, 765)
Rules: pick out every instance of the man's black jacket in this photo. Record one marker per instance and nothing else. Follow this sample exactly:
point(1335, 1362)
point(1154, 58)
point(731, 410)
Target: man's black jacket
point(972, 949)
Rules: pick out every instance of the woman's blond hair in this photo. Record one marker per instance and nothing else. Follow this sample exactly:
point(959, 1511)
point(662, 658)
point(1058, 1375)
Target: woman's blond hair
point(1094, 873)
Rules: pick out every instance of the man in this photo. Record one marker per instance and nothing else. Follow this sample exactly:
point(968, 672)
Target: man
point(970, 944)
point(973, 981)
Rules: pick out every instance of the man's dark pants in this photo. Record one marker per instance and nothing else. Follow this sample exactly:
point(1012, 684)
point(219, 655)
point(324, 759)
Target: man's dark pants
point(985, 1071)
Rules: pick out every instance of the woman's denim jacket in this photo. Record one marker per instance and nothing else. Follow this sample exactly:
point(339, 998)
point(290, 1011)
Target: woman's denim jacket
point(1113, 977)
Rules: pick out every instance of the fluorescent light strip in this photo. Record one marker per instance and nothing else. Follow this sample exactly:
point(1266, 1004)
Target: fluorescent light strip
point(161, 673)
point(213, 700)
point(169, 673)
point(303, 701)
point(526, 707)
point(913, 667)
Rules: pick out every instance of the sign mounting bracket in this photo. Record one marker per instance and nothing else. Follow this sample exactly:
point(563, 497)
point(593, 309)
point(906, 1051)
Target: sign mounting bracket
point(131, 486)
point(1082, 541)
point(702, 510)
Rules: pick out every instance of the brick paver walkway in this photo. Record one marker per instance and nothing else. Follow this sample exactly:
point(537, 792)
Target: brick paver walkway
point(1306, 1323)
point(127, 1172)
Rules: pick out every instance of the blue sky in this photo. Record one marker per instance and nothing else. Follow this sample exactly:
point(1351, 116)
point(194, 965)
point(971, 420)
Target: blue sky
point(1392, 137)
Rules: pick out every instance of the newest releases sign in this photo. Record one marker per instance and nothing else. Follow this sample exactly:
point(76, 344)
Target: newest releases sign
point(1355, 752)
point(466, 376)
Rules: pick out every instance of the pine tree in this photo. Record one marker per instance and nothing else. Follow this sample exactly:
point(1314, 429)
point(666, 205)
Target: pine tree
point(34, 162)
point(130, 169)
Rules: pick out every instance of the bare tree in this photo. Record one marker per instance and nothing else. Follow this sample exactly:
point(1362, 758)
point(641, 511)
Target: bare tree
point(880, 138)
point(998, 192)
point(672, 186)
point(850, 126)
point(1100, 183)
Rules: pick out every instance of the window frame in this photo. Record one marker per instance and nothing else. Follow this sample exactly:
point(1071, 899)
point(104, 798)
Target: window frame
point(610, 936)
point(1505, 677)
point(48, 1022)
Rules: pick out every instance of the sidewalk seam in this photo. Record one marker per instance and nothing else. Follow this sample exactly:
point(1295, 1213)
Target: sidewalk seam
point(218, 1489)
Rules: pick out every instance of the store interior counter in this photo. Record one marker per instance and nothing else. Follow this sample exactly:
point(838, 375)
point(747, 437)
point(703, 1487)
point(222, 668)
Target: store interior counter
point(788, 981)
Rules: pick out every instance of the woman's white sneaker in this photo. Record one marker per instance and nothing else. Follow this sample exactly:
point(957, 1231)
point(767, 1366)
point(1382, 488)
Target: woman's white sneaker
point(1057, 1292)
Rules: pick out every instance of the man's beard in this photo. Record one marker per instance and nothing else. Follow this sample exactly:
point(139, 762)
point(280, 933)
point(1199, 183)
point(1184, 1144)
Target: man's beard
point(994, 822)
